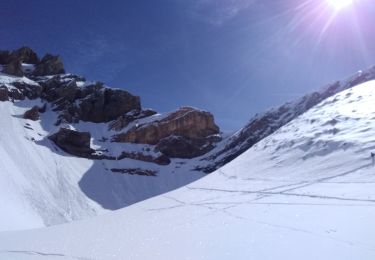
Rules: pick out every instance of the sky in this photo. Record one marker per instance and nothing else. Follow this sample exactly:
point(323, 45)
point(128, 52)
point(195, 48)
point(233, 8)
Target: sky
point(234, 58)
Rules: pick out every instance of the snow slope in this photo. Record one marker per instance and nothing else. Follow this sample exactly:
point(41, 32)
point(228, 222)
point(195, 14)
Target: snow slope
point(40, 185)
point(305, 192)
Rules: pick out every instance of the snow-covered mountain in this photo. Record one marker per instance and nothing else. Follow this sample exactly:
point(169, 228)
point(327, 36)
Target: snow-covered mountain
point(307, 191)
point(264, 124)
point(70, 148)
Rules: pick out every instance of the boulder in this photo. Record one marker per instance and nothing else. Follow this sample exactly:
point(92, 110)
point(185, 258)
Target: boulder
point(49, 65)
point(73, 142)
point(32, 114)
point(187, 122)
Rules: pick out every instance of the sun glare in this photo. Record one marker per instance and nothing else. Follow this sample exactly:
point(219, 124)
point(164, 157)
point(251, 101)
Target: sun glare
point(340, 4)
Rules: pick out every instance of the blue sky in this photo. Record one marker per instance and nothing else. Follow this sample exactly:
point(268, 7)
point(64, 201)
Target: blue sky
point(233, 58)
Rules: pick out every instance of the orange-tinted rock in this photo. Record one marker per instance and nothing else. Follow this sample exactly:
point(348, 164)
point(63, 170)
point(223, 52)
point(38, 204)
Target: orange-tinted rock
point(186, 122)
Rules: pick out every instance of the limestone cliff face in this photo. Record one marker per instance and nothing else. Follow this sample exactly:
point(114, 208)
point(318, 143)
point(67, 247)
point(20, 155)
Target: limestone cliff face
point(185, 133)
point(187, 122)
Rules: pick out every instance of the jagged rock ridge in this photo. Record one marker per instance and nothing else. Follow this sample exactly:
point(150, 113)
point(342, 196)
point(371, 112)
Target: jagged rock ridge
point(74, 100)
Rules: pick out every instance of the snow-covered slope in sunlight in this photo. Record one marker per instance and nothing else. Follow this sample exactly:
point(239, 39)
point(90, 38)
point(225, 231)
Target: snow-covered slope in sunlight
point(38, 187)
point(305, 192)
point(41, 185)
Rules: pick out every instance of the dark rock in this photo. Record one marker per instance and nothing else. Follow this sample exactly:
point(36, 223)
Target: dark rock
point(107, 105)
point(183, 147)
point(124, 120)
point(29, 91)
point(135, 171)
point(57, 88)
point(32, 114)
point(4, 57)
point(160, 159)
point(187, 122)
point(13, 68)
point(73, 142)
point(49, 65)
point(93, 103)
point(4, 94)
point(16, 94)
point(25, 55)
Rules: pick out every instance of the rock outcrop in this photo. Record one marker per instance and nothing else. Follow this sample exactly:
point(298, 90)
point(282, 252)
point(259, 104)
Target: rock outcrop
point(135, 171)
point(4, 93)
point(123, 121)
point(14, 67)
point(107, 105)
point(25, 55)
point(32, 114)
point(19, 91)
point(73, 142)
point(183, 147)
point(13, 63)
point(187, 122)
point(49, 65)
point(185, 133)
point(93, 103)
point(160, 159)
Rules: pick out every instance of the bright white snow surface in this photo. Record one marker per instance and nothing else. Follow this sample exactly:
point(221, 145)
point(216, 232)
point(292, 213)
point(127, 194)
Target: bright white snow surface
point(305, 192)
point(40, 185)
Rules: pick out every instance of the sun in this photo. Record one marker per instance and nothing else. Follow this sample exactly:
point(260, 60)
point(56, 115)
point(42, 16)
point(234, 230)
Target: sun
point(340, 4)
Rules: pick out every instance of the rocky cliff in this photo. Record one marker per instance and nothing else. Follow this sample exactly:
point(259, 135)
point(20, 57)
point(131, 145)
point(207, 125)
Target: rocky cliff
point(81, 147)
point(184, 133)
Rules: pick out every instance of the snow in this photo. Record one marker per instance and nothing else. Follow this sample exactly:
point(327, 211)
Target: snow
point(34, 194)
point(8, 79)
point(64, 188)
point(28, 68)
point(305, 192)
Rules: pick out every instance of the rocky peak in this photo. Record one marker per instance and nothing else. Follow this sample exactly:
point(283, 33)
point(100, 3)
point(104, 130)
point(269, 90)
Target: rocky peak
point(24, 61)
point(184, 133)
point(25, 55)
point(49, 65)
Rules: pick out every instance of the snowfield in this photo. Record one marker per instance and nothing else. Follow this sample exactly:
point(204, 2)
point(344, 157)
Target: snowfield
point(305, 192)
point(40, 185)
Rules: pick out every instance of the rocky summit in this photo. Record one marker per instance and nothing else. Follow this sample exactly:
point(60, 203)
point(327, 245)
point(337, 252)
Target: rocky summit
point(25, 61)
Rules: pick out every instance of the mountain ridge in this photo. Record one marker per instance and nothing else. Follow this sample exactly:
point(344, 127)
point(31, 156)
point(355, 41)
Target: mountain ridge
point(71, 125)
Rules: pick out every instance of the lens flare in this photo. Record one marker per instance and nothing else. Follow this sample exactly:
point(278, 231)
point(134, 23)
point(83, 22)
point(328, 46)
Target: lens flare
point(340, 4)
